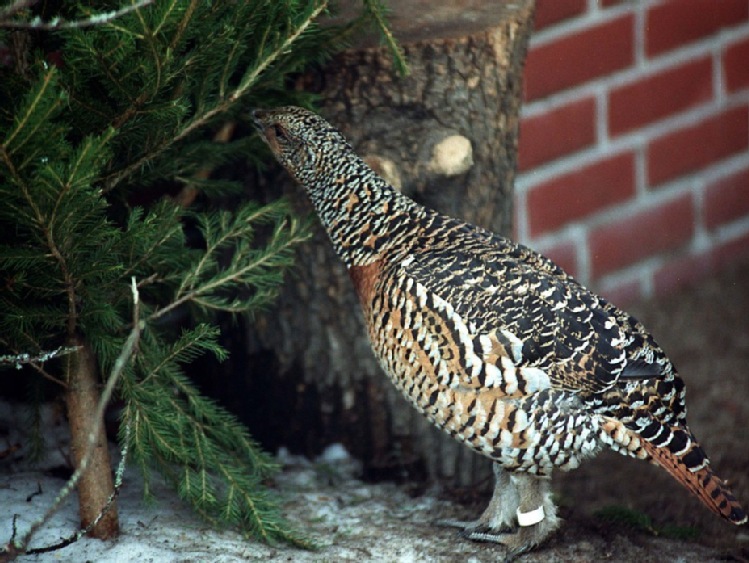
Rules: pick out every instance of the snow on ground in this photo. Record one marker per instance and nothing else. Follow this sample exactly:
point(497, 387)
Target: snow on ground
point(323, 500)
point(349, 520)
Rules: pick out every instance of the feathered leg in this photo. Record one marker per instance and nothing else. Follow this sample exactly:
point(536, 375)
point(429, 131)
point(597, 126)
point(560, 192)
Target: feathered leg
point(536, 514)
point(499, 516)
point(520, 515)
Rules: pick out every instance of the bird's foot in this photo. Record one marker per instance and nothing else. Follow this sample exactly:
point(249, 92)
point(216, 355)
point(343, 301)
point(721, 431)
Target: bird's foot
point(475, 527)
point(517, 540)
point(521, 515)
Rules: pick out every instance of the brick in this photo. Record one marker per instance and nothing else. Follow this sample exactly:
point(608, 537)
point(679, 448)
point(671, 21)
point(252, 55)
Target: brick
point(581, 193)
point(563, 255)
point(692, 148)
point(578, 58)
point(727, 200)
point(682, 272)
point(558, 132)
point(659, 95)
point(677, 22)
point(736, 66)
point(626, 241)
point(622, 294)
point(732, 252)
point(549, 12)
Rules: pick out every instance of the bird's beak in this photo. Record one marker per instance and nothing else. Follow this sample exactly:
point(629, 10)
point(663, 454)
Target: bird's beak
point(257, 119)
point(260, 121)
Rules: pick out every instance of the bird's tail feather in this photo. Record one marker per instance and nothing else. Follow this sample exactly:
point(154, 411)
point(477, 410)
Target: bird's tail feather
point(699, 479)
point(677, 451)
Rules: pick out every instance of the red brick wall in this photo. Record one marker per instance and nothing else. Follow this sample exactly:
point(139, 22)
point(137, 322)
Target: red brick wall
point(634, 141)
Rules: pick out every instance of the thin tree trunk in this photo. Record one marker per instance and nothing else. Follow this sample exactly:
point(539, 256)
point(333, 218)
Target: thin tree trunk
point(446, 135)
point(82, 398)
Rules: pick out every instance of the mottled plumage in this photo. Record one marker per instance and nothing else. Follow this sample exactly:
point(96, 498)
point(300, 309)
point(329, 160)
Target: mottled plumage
point(492, 342)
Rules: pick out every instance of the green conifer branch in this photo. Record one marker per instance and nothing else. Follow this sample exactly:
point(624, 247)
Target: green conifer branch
point(208, 456)
point(378, 11)
point(248, 80)
point(186, 18)
point(153, 241)
point(248, 267)
point(130, 107)
point(40, 104)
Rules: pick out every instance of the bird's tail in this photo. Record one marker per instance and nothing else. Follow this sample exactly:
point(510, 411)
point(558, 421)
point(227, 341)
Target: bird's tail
point(678, 452)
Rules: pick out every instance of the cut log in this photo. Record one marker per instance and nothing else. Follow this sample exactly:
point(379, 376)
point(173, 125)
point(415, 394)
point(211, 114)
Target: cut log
point(446, 135)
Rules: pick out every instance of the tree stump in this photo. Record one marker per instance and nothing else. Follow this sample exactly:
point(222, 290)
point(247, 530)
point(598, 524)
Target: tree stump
point(446, 135)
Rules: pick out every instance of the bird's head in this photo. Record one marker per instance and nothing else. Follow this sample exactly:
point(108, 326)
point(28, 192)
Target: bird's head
point(302, 141)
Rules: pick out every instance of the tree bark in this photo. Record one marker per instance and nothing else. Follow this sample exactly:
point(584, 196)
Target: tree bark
point(446, 135)
point(95, 485)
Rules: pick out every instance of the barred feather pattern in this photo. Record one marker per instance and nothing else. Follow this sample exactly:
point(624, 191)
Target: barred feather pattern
point(492, 342)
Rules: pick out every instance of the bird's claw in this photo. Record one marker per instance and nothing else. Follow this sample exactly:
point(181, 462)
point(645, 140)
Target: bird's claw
point(516, 539)
point(475, 528)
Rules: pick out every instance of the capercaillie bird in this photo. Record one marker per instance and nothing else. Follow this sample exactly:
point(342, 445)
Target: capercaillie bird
point(494, 343)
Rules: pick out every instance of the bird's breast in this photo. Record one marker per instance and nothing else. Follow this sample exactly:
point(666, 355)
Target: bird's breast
point(365, 280)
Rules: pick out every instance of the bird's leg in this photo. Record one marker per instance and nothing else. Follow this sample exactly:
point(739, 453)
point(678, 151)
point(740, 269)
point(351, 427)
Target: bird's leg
point(536, 514)
point(499, 516)
point(520, 516)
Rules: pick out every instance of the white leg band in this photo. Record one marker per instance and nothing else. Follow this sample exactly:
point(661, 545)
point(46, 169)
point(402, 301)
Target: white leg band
point(532, 517)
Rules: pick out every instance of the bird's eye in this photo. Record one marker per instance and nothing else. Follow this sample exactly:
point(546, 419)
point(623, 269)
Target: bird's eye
point(279, 132)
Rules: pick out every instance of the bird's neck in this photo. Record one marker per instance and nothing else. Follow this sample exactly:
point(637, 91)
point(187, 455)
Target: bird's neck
point(364, 216)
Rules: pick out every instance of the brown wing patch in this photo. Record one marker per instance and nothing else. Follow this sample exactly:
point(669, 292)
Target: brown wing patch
point(364, 279)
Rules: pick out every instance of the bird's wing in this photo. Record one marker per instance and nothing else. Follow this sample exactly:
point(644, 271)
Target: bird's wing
point(519, 312)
